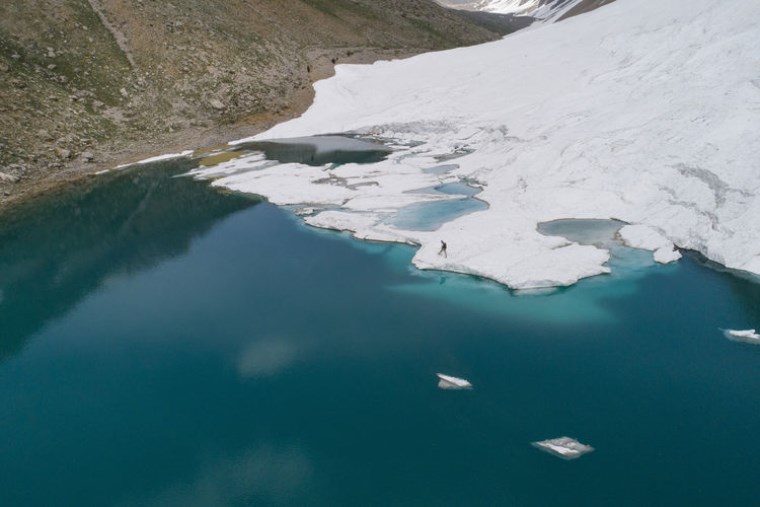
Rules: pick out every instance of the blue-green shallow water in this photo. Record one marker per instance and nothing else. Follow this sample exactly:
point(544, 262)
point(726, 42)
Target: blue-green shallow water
point(164, 344)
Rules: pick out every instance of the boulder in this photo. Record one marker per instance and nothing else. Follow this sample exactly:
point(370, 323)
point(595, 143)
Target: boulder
point(63, 153)
point(7, 178)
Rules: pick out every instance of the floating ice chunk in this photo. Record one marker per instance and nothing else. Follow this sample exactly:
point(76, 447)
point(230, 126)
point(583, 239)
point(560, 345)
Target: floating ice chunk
point(742, 335)
point(564, 447)
point(666, 255)
point(449, 382)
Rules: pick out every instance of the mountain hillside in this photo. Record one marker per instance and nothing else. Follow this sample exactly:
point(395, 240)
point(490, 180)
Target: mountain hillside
point(85, 80)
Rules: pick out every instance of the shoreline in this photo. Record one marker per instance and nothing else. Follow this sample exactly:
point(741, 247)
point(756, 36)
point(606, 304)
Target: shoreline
point(113, 153)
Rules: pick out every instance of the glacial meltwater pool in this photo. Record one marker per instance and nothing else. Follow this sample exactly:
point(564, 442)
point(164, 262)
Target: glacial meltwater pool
point(163, 343)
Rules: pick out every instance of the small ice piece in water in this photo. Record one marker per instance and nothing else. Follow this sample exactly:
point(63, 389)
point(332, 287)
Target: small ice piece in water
point(742, 335)
point(564, 447)
point(305, 212)
point(449, 382)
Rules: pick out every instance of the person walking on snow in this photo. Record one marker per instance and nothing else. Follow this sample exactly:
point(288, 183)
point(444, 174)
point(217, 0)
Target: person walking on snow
point(442, 251)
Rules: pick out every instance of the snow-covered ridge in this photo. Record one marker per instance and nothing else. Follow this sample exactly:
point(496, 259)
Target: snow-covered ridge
point(539, 9)
point(646, 112)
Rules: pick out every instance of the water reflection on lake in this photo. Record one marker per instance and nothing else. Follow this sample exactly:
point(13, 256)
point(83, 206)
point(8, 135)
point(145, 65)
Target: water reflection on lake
point(318, 150)
point(165, 344)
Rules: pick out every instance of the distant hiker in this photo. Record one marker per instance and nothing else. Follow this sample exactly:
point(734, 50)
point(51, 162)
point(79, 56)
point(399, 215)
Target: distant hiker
point(308, 68)
point(442, 251)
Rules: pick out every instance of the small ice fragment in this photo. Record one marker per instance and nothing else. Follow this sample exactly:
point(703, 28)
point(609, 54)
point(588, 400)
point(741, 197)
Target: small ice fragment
point(304, 212)
point(742, 335)
point(563, 447)
point(449, 382)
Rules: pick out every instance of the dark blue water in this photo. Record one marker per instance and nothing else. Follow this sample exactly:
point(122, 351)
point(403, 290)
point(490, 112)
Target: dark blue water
point(319, 150)
point(165, 344)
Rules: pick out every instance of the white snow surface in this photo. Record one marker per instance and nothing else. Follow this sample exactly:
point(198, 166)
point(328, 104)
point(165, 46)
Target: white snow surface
point(646, 112)
point(158, 158)
point(647, 238)
point(535, 8)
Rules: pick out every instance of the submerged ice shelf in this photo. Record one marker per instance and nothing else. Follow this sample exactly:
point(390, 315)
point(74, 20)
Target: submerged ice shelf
point(430, 216)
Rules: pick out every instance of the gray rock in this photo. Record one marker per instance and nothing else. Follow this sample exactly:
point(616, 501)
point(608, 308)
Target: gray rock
point(216, 104)
point(88, 157)
point(8, 178)
point(63, 153)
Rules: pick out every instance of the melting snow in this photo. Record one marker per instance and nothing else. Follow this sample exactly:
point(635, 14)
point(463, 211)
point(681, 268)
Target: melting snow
point(646, 112)
point(168, 156)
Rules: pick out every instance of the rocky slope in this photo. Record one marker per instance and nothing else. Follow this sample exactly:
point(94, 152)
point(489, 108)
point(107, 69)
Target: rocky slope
point(89, 82)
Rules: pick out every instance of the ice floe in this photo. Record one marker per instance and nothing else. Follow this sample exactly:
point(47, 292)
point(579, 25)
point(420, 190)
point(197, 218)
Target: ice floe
point(743, 335)
point(453, 383)
point(564, 447)
point(646, 112)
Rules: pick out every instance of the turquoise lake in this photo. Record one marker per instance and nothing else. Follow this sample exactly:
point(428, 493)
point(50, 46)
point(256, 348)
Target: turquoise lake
point(164, 343)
